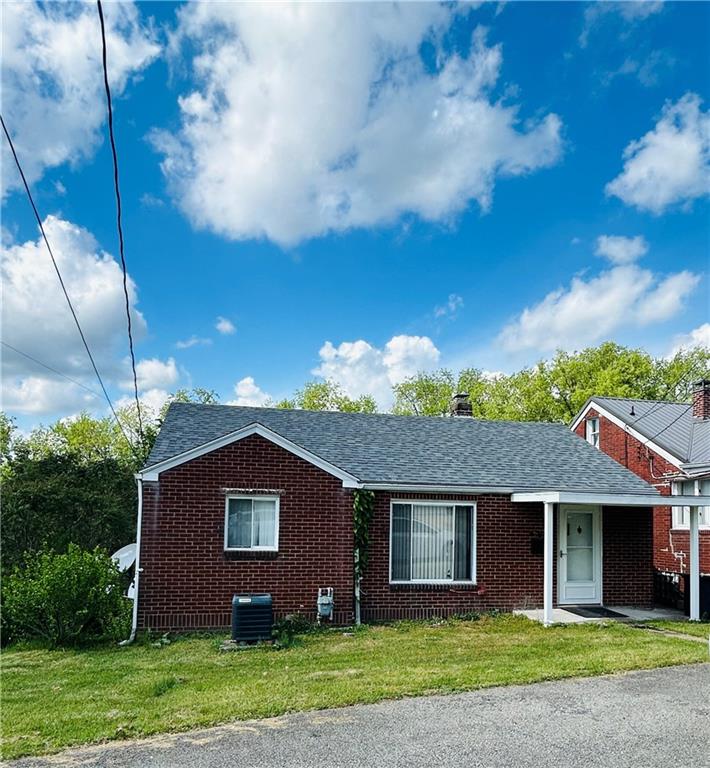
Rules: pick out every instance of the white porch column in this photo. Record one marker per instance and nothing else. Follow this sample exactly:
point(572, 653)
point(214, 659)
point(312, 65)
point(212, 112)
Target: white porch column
point(695, 559)
point(548, 564)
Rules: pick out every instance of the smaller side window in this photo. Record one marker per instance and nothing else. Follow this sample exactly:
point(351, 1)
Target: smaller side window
point(251, 522)
point(593, 432)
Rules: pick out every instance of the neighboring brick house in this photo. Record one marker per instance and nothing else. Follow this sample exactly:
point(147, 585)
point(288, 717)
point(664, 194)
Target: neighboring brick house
point(467, 516)
point(668, 445)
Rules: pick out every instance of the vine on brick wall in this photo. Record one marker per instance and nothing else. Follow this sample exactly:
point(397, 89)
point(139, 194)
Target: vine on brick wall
point(363, 510)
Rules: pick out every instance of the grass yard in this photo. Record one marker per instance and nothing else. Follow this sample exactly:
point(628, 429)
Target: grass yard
point(695, 628)
point(54, 699)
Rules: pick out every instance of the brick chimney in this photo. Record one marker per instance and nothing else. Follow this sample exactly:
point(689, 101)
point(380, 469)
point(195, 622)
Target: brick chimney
point(461, 405)
point(701, 399)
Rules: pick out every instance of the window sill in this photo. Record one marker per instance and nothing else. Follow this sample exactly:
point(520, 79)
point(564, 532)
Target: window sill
point(440, 586)
point(250, 554)
point(686, 529)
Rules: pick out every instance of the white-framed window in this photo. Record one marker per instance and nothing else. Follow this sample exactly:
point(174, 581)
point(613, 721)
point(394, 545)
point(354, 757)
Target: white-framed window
point(592, 431)
point(251, 523)
point(681, 515)
point(432, 542)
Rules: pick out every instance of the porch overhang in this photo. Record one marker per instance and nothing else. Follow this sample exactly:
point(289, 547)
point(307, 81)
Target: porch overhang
point(610, 499)
point(551, 498)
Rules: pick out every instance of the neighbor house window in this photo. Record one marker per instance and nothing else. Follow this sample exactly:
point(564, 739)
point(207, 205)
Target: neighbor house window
point(593, 432)
point(252, 522)
point(432, 542)
point(681, 515)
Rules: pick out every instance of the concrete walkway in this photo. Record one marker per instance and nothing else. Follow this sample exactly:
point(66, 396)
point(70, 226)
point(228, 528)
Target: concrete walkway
point(629, 613)
point(654, 719)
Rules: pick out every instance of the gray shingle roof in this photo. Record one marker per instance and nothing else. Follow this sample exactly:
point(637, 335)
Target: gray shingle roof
point(415, 450)
point(670, 426)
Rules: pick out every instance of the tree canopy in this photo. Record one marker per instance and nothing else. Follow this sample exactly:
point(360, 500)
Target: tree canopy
point(328, 396)
point(555, 390)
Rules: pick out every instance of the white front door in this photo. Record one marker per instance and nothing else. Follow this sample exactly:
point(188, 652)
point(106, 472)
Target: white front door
point(579, 564)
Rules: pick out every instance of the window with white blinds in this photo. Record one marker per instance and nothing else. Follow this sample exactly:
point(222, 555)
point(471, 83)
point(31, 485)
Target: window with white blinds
point(432, 542)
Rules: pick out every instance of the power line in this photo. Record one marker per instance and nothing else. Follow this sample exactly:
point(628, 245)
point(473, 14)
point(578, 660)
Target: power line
point(670, 424)
point(118, 218)
point(61, 280)
point(49, 368)
point(663, 403)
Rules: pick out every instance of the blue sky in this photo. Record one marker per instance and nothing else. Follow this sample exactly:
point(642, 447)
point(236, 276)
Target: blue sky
point(360, 191)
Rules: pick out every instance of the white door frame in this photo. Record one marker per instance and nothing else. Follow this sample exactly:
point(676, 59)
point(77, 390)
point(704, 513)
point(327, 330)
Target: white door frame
point(596, 598)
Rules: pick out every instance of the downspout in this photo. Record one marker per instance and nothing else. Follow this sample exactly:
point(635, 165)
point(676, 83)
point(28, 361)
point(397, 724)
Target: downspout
point(357, 589)
point(134, 621)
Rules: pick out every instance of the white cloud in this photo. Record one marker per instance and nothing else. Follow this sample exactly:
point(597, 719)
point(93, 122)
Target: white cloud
point(590, 310)
point(630, 12)
point(647, 68)
point(698, 337)
point(621, 250)
point(311, 118)
point(153, 373)
point(36, 319)
point(248, 393)
point(193, 341)
point(149, 200)
point(451, 308)
point(362, 369)
point(671, 163)
point(152, 401)
point(38, 395)
point(225, 326)
point(52, 83)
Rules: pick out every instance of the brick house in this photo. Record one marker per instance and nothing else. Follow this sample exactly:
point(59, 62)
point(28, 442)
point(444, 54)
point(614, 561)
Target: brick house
point(668, 445)
point(468, 515)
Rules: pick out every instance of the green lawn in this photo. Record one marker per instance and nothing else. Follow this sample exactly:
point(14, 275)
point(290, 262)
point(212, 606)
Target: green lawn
point(53, 699)
point(696, 628)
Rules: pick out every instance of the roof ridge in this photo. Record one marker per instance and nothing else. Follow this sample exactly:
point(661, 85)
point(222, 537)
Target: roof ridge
point(358, 414)
point(638, 399)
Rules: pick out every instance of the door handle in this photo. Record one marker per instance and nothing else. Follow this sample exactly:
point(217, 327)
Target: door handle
point(562, 554)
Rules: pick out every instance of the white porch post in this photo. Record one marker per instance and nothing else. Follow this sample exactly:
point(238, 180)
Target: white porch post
point(548, 564)
point(695, 559)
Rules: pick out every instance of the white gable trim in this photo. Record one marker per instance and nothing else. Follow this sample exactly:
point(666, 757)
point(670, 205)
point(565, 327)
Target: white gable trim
point(153, 472)
point(669, 457)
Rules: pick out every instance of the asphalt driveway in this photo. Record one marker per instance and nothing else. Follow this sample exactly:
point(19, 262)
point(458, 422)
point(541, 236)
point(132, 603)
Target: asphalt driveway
point(655, 718)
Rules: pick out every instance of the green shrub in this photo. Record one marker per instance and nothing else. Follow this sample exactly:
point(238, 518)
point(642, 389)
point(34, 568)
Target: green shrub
point(69, 599)
point(284, 630)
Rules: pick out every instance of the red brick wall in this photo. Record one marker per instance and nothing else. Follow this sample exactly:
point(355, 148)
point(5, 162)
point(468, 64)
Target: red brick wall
point(670, 547)
point(508, 575)
point(627, 556)
point(187, 580)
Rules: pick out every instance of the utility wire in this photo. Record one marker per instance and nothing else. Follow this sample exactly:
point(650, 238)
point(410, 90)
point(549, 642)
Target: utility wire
point(663, 403)
point(49, 368)
point(670, 424)
point(61, 281)
point(118, 219)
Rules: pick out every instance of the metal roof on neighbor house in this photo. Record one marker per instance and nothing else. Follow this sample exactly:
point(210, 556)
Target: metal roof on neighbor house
point(415, 450)
point(671, 426)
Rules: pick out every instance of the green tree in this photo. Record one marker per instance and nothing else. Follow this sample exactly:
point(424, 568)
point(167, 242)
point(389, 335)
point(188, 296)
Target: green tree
point(85, 437)
point(328, 396)
point(555, 390)
point(58, 499)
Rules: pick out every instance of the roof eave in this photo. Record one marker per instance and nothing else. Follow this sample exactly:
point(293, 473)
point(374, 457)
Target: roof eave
point(670, 457)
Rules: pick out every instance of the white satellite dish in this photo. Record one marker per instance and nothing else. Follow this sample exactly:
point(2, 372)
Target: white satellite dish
point(125, 557)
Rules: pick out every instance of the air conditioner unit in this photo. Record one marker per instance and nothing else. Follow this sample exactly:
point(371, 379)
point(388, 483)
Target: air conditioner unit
point(252, 618)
